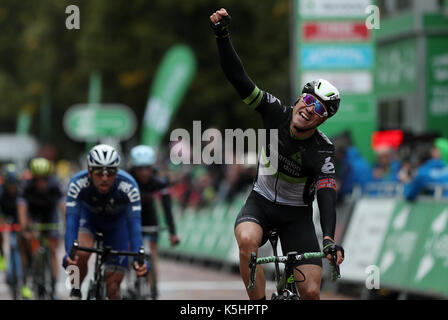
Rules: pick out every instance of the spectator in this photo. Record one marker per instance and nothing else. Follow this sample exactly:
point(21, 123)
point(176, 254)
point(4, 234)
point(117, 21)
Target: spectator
point(386, 167)
point(433, 170)
point(354, 171)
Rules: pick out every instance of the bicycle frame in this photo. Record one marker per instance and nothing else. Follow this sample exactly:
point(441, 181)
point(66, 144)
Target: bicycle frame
point(41, 261)
point(286, 284)
point(97, 286)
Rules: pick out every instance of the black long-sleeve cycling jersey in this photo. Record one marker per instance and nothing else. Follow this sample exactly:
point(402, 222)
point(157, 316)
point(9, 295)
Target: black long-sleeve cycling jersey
point(303, 165)
point(147, 190)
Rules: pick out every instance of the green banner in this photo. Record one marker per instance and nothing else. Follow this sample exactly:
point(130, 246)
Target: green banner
point(172, 79)
point(414, 254)
point(396, 71)
point(429, 269)
point(437, 84)
point(406, 229)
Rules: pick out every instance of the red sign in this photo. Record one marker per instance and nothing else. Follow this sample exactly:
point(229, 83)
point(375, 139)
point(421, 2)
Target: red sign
point(335, 31)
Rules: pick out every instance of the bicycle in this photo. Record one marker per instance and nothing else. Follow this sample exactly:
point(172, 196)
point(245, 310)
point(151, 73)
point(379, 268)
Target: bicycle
point(137, 288)
point(43, 281)
point(14, 269)
point(97, 289)
point(286, 284)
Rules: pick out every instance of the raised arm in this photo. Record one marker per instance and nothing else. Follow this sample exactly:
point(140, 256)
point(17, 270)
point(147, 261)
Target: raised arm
point(230, 62)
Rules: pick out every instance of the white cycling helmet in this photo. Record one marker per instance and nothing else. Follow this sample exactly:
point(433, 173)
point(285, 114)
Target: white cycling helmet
point(142, 155)
point(326, 92)
point(103, 155)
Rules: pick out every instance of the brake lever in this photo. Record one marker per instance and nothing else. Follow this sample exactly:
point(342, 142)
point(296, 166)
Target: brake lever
point(336, 271)
point(252, 267)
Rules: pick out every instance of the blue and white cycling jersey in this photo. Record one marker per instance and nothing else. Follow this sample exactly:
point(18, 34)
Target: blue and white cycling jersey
point(117, 214)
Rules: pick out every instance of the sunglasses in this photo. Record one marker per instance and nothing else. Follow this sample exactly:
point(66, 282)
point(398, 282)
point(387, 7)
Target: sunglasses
point(100, 171)
point(319, 108)
point(141, 168)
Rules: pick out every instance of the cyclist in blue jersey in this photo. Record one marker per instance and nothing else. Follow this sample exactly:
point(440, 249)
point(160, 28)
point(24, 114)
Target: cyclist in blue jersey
point(283, 193)
point(103, 199)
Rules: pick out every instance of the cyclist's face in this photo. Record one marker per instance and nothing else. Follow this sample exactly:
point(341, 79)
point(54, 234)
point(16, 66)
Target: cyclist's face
point(143, 174)
point(12, 189)
point(304, 118)
point(41, 183)
point(102, 180)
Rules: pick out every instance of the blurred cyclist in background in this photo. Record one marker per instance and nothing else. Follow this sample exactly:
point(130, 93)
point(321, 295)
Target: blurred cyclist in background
point(38, 203)
point(150, 181)
point(103, 199)
point(8, 202)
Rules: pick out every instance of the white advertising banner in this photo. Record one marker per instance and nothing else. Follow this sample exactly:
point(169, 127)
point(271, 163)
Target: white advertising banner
point(364, 236)
point(333, 8)
point(355, 82)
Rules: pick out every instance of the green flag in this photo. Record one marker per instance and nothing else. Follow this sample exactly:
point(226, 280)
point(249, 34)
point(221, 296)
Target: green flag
point(172, 79)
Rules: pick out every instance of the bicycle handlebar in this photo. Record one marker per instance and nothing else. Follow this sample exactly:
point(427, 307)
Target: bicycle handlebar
point(289, 258)
point(107, 251)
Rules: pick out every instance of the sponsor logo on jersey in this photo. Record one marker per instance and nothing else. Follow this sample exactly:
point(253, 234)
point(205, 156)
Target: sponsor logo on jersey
point(74, 188)
point(272, 99)
point(328, 166)
point(130, 190)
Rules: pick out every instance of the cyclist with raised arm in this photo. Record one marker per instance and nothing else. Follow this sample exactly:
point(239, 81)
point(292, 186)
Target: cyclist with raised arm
point(282, 196)
point(103, 199)
point(150, 181)
point(38, 203)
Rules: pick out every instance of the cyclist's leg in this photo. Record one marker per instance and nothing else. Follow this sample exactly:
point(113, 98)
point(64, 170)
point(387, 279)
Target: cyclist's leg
point(116, 235)
point(53, 236)
point(149, 219)
point(310, 289)
point(297, 233)
point(113, 281)
point(86, 238)
point(248, 236)
point(251, 228)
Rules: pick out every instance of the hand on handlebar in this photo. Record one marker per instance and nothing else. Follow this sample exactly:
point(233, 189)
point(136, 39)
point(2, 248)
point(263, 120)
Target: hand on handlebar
point(174, 239)
point(335, 253)
point(140, 269)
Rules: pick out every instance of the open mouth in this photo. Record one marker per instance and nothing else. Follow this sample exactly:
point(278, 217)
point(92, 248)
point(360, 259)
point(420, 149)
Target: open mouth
point(304, 116)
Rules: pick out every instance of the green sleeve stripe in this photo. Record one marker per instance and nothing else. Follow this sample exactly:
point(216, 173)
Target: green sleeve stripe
point(257, 99)
point(255, 96)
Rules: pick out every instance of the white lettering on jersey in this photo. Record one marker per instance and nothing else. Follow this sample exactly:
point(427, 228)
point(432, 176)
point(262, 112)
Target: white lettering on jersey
point(272, 99)
point(75, 187)
point(132, 192)
point(328, 166)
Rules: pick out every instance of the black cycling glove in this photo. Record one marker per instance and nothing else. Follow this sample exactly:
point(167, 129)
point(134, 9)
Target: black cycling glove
point(331, 248)
point(221, 29)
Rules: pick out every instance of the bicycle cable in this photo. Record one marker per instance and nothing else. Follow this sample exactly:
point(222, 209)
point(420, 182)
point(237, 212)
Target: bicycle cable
point(303, 275)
